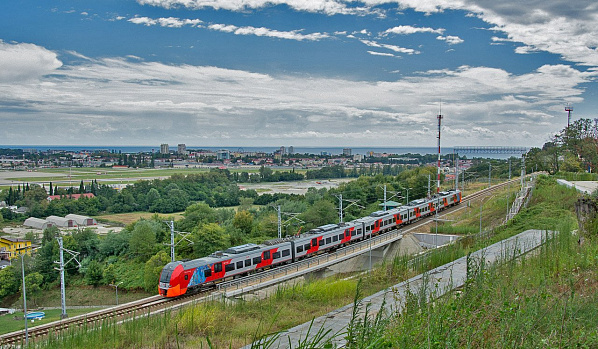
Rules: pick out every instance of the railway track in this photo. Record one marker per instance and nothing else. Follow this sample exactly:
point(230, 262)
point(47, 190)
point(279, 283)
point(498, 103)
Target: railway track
point(156, 304)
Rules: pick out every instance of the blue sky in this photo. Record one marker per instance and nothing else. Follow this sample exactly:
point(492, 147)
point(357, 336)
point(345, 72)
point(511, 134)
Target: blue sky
point(291, 72)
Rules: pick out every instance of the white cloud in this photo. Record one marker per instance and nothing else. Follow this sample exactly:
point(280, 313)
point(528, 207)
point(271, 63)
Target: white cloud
point(569, 29)
point(450, 39)
point(407, 29)
point(381, 54)
point(169, 22)
point(329, 7)
point(124, 101)
point(390, 47)
point(289, 35)
point(172, 22)
point(25, 62)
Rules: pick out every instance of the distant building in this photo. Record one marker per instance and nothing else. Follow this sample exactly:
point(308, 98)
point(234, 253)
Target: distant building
point(182, 149)
point(223, 154)
point(358, 157)
point(291, 150)
point(347, 151)
point(37, 223)
point(164, 149)
point(82, 221)
point(71, 196)
point(13, 247)
point(283, 150)
point(61, 222)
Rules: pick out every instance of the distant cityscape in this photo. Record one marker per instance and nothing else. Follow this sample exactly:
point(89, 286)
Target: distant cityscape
point(183, 157)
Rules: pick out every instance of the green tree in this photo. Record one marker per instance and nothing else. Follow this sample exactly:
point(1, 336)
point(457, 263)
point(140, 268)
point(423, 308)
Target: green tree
point(153, 268)
point(243, 221)
point(94, 273)
point(33, 283)
point(109, 274)
point(321, 213)
point(208, 238)
point(196, 214)
point(9, 282)
point(142, 243)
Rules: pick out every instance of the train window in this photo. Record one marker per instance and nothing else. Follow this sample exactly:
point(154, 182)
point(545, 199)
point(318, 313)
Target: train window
point(218, 267)
point(247, 262)
point(306, 247)
point(267, 255)
point(276, 255)
point(286, 253)
point(359, 231)
point(229, 267)
point(299, 249)
point(186, 277)
point(340, 237)
point(257, 260)
point(240, 265)
point(353, 233)
point(335, 238)
point(314, 242)
point(328, 240)
point(321, 242)
point(207, 273)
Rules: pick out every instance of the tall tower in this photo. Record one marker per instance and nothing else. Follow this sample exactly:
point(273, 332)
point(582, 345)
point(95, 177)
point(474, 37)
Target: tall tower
point(568, 109)
point(439, 117)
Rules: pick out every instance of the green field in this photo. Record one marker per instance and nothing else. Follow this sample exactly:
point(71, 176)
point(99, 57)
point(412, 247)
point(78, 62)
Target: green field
point(118, 175)
point(10, 323)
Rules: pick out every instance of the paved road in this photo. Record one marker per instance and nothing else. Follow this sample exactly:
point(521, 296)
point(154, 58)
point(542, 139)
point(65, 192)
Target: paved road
point(442, 279)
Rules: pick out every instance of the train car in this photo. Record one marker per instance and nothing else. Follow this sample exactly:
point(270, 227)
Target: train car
point(326, 237)
point(178, 277)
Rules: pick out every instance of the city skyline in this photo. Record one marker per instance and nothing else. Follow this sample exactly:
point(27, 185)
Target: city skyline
point(323, 73)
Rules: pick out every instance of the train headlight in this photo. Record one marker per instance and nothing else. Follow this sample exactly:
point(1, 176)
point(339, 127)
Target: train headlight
point(164, 285)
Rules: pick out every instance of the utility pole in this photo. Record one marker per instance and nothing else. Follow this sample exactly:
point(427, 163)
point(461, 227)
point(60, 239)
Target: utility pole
point(384, 197)
point(340, 208)
point(429, 180)
point(172, 245)
point(116, 286)
point(61, 269)
point(279, 222)
point(171, 242)
point(24, 300)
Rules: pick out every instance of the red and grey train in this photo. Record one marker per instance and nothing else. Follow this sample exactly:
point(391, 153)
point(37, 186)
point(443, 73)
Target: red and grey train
point(180, 277)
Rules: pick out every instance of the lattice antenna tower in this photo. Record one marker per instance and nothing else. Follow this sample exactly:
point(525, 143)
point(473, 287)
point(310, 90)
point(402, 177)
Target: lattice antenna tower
point(439, 117)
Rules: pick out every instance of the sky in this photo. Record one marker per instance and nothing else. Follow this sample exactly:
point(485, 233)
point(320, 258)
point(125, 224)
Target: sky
point(295, 72)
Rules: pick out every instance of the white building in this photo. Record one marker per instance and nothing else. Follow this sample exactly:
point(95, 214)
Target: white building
point(37, 223)
point(164, 149)
point(61, 222)
point(82, 221)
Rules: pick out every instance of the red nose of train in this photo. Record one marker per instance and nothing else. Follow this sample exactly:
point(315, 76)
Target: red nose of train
point(170, 285)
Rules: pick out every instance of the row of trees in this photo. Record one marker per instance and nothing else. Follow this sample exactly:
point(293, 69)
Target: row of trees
point(573, 149)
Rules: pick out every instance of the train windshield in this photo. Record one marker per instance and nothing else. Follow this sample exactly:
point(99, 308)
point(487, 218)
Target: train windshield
point(165, 276)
